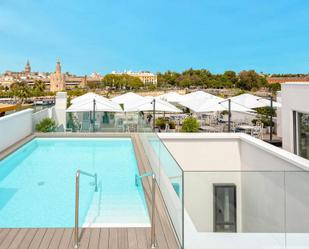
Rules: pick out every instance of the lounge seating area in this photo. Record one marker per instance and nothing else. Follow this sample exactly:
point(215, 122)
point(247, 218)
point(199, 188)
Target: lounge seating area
point(106, 122)
point(131, 112)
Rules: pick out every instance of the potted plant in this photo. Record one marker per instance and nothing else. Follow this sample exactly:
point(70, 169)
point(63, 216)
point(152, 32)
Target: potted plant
point(190, 124)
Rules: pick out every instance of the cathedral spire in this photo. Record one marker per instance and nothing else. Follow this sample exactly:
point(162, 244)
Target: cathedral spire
point(58, 67)
point(28, 68)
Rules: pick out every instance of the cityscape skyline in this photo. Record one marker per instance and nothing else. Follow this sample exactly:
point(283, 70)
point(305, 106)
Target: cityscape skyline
point(104, 36)
point(28, 66)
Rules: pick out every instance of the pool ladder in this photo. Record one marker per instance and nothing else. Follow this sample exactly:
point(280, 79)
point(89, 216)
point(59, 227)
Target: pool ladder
point(137, 179)
point(78, 173)
point(153, 203)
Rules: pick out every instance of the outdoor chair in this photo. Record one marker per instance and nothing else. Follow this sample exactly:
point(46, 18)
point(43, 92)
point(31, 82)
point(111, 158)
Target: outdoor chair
point(258, 130)
point(85, 127)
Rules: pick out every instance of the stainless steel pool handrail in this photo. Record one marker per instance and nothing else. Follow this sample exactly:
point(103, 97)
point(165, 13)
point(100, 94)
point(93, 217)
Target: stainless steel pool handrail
point(153, 204)
point(78, 173)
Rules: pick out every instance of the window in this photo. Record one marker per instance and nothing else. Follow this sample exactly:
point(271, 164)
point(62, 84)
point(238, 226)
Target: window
point(301, 134)
point(224, 208)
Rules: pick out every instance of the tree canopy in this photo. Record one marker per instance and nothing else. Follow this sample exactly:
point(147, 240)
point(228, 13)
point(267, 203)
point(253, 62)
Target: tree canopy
point(123, 81)
point(246, 80)
point(21, 90)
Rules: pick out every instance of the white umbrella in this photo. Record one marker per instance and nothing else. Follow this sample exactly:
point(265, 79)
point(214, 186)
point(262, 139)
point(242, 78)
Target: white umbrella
point(198, 95)
point(94, 105)
point(171, 97)
point(127, 100)
point(194, 103)
point(220, 105)
point(155, 105)
point(223, 105)
point(85, 97)
point(82, 102)
point(252, 101)
point(148, 104)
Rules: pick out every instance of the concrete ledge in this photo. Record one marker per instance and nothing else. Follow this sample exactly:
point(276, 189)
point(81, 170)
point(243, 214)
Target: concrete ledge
point(78, 134)
point(27, 139)
point(15, 146)
point(301, 163)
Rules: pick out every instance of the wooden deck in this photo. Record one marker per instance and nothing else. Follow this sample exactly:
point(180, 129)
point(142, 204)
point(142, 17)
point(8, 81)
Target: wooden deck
point(92, 238)
point(95, 238)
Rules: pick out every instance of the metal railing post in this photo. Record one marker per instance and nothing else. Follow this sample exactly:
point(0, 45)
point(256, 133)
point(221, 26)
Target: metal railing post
point(76, 242)
point(153, 211)
point(76, 228)
point(153, 205)
point(96, 182)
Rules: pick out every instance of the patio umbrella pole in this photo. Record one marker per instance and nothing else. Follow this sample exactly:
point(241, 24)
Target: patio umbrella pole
point(229, 116)
point(271, 119)
point(154, 115)
point(93, 118)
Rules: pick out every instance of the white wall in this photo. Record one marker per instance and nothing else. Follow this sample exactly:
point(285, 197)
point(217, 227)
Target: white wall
point(279, 118)
point(15, 127)
point(199, 199)
point(201, 154)
point(40, 115)
point(295, 97)
point(59, 111)
point(270, 194)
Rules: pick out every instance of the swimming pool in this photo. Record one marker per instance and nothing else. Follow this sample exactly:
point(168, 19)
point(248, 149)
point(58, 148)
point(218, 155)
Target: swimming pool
point(37, 184)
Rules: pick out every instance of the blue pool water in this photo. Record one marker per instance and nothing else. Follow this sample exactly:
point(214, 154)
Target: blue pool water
point(37, 184)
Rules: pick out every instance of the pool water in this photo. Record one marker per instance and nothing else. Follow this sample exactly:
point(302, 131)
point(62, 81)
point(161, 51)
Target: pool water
point(37, 184)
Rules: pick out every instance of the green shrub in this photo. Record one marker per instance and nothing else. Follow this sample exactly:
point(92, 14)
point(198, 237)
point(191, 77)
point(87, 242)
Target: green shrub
point(264, 115)
point(190, 124)
point(161, 123)
point(46, 125)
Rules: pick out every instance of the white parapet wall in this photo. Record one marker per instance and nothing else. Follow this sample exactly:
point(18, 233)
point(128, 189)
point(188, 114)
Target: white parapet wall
point(294, 97)
point(40, 115)
point(59, 111)
point(272, 189)
point(15, 127)
point(279, 118)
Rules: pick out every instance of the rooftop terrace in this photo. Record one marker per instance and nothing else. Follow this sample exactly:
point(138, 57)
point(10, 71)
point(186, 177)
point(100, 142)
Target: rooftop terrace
point(212, 189)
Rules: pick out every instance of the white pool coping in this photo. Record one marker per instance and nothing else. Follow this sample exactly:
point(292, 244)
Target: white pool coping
point(108, 225)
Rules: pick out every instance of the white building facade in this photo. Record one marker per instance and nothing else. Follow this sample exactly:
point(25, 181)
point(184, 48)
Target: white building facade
point(146, 77)
point(295, 118)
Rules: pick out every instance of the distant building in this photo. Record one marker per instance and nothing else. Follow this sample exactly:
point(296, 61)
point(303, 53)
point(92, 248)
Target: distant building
point(28, 68)
point(54, 82)
point(273, 80)
point(146, 77)
point(57, 79)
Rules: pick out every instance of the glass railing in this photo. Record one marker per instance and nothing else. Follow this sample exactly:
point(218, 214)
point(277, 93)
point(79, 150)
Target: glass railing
point(246, 209)
point(169, 176)
point(231, 209)
point(107, 122)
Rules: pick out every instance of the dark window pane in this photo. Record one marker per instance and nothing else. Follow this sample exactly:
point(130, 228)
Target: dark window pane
point(225, 208)
point(303, 135)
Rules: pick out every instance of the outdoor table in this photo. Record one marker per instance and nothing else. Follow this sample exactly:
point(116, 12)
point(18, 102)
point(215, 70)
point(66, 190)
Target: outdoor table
point(209, 128)
point(246, 128)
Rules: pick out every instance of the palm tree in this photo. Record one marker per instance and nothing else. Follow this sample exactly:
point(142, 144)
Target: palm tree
point(39, 87)
point(21, 90)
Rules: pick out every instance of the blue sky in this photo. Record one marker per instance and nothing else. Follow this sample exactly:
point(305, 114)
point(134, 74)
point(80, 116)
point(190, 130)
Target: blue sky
point(156, 35)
